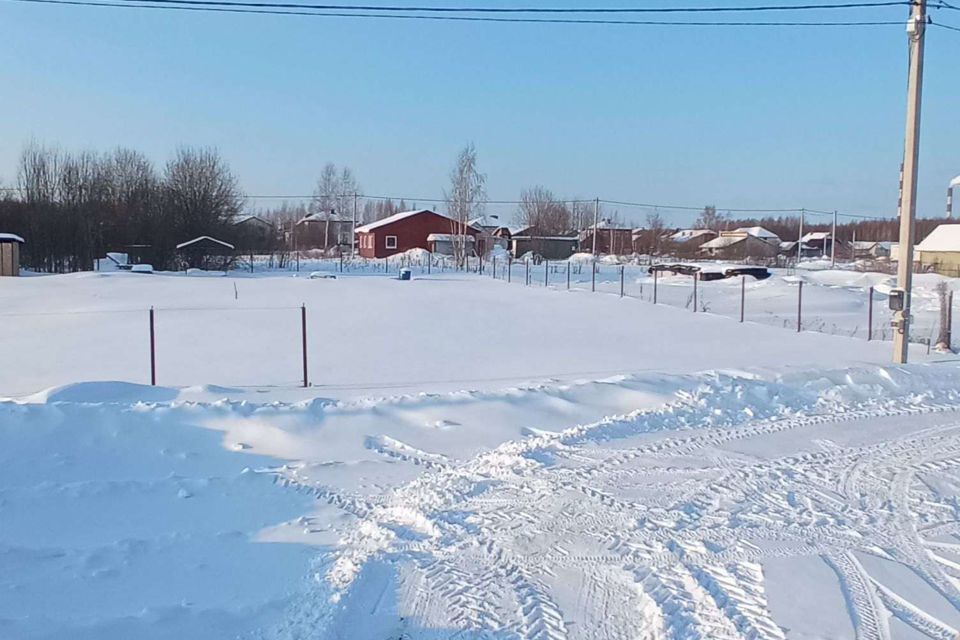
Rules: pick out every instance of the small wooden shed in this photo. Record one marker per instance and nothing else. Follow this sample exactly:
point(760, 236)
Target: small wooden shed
point(205, 252)
point(10, 254)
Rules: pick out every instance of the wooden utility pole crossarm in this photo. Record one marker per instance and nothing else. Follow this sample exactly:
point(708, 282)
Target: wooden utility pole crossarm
point(916, 28)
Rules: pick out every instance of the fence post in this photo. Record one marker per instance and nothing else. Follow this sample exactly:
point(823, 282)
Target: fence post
point(153, 351)
point(655, 274)
point(695, 278)
point(799, 304)
point(509, 268)
point(743, 295)
point(870, 316)
point(593, 274)
point(341, 263)
point(568, 274)
point(303, 342)
point(526, 275)
point(546, 273)
point(251, 261)
point(494, 267)
point(950, 320)
point(621, 281)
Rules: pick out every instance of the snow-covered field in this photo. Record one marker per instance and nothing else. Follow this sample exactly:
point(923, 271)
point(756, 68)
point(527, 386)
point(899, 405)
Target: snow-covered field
point(474, 459)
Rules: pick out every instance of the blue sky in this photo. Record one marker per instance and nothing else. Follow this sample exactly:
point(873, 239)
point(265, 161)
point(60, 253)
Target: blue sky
point(762, 117)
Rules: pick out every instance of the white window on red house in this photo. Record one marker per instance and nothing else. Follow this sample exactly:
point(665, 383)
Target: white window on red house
point(391, 242)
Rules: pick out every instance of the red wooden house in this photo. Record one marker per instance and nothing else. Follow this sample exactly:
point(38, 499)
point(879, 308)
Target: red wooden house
point(404, 231)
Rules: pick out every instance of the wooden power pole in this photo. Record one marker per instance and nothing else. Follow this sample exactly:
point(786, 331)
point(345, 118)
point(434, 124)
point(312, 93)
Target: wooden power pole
point(916, 28)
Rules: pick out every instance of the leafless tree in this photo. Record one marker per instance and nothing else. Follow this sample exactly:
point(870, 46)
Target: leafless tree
point(333, 196)
point(540, 210)
point(465, 199)
point(650, 237)
point(709, 219)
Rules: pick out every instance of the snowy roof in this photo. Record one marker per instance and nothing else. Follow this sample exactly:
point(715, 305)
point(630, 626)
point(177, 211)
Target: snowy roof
point(760, 232)
point(324, 216)
point(446, 237)
point(397, 217)
point(724, 241)
point(243, 219)
point(816, 235)
point(687, 234)
point(202, 238)
point(606, 223)
point(865, 244)
point(487, 220)
point(945, 237)
point(10, 237)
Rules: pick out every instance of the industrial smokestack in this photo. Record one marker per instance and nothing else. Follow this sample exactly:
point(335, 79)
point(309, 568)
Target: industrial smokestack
point(953, 183)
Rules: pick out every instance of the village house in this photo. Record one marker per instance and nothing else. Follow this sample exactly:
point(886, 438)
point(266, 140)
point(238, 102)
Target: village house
point(940, 251)
point(738, 245)
point(10, 254)
point(411, 230)
point(253, 232)
point(760, 232)
point(687, 241)
point(612, 238)
point(544, 245)
point(493, 233)
point(821, 241)
point(869, 249)
point(323, 230)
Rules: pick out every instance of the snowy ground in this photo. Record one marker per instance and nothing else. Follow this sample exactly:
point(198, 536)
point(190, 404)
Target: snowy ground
point(475, 460)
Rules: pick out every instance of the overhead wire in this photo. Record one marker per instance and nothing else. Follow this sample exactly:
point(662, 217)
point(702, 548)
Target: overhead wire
point(251, 9)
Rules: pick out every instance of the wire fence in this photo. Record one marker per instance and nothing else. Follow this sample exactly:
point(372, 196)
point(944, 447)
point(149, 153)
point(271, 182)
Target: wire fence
point(787, 300)
point(254, 342)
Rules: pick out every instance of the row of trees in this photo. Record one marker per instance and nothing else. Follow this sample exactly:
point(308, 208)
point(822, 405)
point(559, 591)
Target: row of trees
point(73, 207)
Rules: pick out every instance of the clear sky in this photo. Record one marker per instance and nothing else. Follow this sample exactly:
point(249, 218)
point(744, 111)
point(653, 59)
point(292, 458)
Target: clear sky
point(739, 117)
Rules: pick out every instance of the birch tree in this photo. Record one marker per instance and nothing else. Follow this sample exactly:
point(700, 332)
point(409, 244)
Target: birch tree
point(465, 199)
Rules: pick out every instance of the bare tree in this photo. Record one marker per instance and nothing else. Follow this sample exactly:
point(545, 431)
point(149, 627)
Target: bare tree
point(333, 197)
point(465, 199)
point(650, 238)
point(541, 210)
point(709, 219)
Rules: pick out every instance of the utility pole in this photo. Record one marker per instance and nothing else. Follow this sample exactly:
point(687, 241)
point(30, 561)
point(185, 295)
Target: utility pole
point(353, 226)
point(596, 223)
point(800, 238)
point(916, 28)
point(833, 241)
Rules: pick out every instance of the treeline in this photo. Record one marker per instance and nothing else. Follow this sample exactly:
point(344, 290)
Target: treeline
point(74, 207)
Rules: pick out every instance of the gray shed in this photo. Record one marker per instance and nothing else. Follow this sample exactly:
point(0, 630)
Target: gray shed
point(10, 254)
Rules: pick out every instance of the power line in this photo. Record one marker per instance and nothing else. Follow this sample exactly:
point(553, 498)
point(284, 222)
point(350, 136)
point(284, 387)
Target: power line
point(473, 9)
point(945, 26)
point(459, 18)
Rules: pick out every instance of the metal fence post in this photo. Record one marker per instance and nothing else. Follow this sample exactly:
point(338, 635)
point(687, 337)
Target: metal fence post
point(593, 275)
point(655, 273)
point(799, 304)
point(526, 274)
point(695, 278)
point(743, 295)
point(153, 351)
point(494, 267)
point(546, 273)
point(303, 342)
point(568, 275)
point(870, 316)
point(509, 268)
point(621, 281)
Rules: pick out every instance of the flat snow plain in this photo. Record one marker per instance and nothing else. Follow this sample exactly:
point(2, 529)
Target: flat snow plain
point(474, 459)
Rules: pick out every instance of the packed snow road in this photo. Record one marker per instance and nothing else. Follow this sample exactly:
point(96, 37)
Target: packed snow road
point(694, 520)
